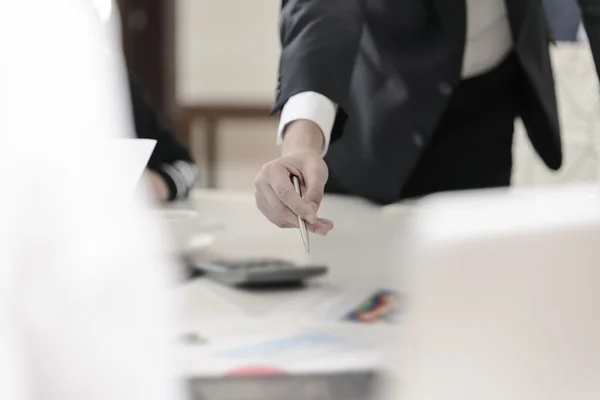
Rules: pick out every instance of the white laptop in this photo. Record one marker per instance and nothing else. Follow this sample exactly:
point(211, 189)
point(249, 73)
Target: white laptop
point(128, 160)
point(135, 154)
point(504, 297)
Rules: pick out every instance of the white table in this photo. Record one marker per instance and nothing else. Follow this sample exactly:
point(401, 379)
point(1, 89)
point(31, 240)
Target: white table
point(357, 251)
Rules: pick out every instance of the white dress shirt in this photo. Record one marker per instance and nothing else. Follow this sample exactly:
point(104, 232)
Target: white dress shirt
point(581, 34)
point(84, 283)
point(488, 42)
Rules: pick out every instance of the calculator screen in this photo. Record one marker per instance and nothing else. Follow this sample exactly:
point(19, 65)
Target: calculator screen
point(339, 386)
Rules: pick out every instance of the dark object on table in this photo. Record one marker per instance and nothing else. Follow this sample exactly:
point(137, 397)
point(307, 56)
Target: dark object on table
point(259, 273)
point(353, 385)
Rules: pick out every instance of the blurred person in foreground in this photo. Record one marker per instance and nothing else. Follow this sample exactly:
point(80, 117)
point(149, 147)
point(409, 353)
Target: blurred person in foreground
point(171, 170)
point(408, 98)
point(84, 310)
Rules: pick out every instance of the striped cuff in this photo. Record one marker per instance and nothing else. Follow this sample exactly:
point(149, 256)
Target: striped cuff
point(180, 178)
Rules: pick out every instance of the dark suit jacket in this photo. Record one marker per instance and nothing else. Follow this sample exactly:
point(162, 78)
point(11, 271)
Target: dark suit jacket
point(564, 17)
point(169, 152)
point(391, 66)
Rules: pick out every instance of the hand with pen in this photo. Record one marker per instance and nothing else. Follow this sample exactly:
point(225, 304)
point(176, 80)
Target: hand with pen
point(275, 195)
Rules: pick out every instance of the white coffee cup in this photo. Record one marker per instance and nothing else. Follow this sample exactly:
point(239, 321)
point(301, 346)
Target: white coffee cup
point(184, 227)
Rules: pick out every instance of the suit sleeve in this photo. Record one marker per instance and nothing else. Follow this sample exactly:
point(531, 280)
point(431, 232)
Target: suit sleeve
point(170, 159)
point(319, 41)
point(590, 12)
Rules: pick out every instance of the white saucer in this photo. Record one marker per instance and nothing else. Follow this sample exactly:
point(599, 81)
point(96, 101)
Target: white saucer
point(197, 245)
point(190, 237)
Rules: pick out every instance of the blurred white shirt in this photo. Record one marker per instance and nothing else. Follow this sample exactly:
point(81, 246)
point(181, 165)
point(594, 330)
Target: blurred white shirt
point(84, 310)
point(582, 34)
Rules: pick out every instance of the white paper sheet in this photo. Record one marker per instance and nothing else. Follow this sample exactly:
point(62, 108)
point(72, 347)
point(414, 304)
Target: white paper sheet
point(135, 153)
point(331, 305)
point(130, 157)
point(225, 346)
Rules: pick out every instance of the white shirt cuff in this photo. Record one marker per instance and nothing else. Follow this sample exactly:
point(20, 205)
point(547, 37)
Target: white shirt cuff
point(310, 106)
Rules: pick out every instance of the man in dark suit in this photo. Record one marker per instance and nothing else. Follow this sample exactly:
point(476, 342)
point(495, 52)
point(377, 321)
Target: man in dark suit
point(419, 96)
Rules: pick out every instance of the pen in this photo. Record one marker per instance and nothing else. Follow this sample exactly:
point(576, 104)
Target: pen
point(301, 222)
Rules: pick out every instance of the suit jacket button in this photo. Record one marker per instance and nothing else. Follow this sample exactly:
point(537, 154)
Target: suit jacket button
point(418, 139)
point(445, 88)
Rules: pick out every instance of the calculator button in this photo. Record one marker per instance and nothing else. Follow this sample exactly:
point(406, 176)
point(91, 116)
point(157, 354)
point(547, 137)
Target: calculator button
point(235, 267)
point(278, 265)
point(220, 263)
point(282, 264)
point(227, 265)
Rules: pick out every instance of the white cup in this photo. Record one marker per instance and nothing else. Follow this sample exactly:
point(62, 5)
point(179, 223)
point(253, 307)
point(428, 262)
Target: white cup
point(184, 226)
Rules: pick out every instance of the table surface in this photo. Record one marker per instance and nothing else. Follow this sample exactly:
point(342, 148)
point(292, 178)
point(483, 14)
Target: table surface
point(357, 252)
point(360, 253)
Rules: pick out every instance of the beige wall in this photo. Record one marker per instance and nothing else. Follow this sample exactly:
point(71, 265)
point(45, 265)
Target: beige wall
point(244, 145)
point(227, 50)
point(578, 104)
point(227, 53)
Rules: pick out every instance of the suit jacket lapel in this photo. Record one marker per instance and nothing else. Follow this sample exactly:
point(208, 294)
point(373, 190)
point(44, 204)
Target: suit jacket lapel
point(517, 10)
point(453, 15)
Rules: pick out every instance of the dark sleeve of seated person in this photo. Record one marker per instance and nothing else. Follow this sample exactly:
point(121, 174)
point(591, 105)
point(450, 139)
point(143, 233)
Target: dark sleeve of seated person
point(171, 170)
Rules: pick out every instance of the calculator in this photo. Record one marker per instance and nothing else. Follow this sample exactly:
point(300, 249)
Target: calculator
point(264, 272)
